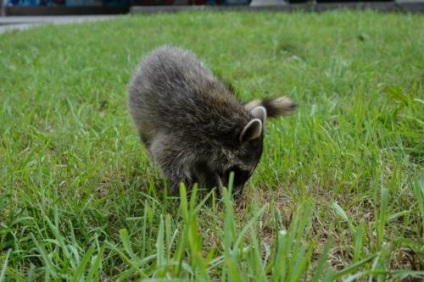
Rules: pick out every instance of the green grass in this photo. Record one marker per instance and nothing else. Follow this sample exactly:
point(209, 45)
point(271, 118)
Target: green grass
point(338, 194)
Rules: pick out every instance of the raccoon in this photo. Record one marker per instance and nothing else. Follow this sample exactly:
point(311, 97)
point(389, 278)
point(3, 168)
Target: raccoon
point(193, 125)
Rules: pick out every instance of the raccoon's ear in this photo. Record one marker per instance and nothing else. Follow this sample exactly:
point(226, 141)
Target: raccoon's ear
point(253, 130)
point(260, 113)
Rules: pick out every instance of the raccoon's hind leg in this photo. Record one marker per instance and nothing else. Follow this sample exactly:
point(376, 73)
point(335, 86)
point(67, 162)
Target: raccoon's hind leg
point(281, 106)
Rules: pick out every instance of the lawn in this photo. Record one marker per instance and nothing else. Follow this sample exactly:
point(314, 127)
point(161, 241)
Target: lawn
point(338, 194)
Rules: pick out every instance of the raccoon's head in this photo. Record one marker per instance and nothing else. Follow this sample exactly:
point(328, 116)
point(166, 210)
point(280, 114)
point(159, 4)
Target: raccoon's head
point(241, 158)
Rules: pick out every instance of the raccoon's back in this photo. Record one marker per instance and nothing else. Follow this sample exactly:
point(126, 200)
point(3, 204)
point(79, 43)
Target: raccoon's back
point(172, 90)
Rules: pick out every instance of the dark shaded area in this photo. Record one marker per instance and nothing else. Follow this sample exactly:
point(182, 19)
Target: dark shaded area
point(155, 6)
point(61, 11)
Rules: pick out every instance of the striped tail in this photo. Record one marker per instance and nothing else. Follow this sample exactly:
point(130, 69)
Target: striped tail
point(281, 106)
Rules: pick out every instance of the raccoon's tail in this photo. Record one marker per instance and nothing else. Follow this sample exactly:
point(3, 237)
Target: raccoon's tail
point(281, 106)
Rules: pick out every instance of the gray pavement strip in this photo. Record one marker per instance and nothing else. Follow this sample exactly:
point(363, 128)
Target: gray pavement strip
point(23, 22)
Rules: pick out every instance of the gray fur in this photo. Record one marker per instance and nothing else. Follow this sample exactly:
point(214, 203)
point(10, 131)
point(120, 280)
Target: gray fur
point(192, 124)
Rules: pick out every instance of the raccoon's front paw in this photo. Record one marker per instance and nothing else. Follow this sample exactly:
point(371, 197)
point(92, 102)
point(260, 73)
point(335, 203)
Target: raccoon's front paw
point(174, 187)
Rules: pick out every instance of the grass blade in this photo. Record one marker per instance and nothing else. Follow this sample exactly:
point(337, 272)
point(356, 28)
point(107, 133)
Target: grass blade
point(4, 267)
point(351, 268)
point(319, 271)
point(79, 272)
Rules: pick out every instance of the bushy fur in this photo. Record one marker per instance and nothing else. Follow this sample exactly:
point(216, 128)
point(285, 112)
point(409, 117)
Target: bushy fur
point(193, 125)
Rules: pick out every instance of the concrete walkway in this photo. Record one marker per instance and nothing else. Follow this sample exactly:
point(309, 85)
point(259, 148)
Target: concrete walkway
point(21, 23)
